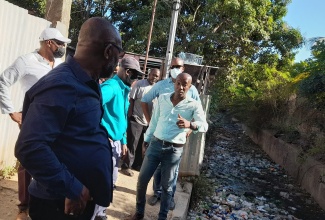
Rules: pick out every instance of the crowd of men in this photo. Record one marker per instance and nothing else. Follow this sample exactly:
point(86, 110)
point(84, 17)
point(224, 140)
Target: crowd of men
point(79, 118)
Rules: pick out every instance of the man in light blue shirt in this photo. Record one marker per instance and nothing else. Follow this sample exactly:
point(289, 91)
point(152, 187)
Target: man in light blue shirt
point(162, 87)
point(171, 120)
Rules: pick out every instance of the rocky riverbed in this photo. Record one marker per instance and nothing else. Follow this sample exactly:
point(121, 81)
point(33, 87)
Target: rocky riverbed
point(245, 183)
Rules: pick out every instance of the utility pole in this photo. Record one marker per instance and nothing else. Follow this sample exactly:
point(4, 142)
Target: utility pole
point(173, 24)
point(59, 10)
point(149, 36)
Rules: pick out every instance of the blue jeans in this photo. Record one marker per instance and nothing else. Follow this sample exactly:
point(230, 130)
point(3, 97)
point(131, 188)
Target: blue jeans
point(169, 157)
point(157, 182)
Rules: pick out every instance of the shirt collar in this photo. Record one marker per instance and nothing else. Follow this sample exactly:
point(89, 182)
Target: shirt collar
point(170, 80)
point(187, 99)
point(42, 59)
point(121, 83)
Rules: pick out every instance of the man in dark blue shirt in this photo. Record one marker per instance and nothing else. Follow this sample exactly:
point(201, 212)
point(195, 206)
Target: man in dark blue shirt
point(62, 143)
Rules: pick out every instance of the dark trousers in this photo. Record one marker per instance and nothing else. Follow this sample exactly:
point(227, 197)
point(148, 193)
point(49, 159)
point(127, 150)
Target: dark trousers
point(24, 179)
point(135, 133)
point(40, 209)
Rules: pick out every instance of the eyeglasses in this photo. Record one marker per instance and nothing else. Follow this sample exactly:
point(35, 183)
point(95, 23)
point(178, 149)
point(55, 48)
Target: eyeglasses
point(120, 49)
point(58, 43)
point(176, 66)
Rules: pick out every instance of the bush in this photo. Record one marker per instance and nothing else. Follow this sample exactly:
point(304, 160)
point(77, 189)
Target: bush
point(313, 88)
point(254, 93)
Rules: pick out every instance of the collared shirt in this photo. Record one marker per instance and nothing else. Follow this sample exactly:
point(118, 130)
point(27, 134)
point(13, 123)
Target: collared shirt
point(26, 69)
point(116, 105)
point(140, 88)
point(62, 143)
point(167, 86)
point(164, 118)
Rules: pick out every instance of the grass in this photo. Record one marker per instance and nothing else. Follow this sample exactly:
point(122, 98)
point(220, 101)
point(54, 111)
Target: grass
point(202, 188)
point(8, 171)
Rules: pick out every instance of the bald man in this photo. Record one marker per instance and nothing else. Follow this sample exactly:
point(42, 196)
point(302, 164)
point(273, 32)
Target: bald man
point(173, 116)
point(162, 87)
point(62, 143)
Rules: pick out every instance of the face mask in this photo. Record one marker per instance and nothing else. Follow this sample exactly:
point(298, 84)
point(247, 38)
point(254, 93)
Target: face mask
point(175, 72)
point(59, 52)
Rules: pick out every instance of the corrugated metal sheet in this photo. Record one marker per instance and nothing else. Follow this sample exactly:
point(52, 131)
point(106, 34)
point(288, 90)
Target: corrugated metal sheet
point(194, 149)
point(19, 34)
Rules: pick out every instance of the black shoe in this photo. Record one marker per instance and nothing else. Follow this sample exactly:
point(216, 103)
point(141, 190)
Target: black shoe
point(153, 200)
point(127, 172)
point(100, 217)
point(172, 204)
point(137, 168)
point(137, 216)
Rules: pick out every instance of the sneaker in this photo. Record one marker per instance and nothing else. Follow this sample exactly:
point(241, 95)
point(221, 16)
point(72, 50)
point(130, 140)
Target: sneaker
point(137, 168)
point(100, 217)
point(127, 172)
point(137, 216)
point(153, 200)
point(172, 204)
point(22, 215)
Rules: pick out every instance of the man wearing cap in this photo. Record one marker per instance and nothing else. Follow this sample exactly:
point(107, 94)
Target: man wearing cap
point(137, 123)
point(28, 69)
point(115, 95)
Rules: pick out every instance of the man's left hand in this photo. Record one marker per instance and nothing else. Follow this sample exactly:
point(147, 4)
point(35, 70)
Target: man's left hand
point(182, 122)
point(124, 149)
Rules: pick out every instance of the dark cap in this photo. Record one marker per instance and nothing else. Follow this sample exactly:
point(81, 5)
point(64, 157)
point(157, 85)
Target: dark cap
point(131, 63)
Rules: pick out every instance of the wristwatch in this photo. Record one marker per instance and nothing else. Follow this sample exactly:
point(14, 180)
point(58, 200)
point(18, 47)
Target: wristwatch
point(193, 126)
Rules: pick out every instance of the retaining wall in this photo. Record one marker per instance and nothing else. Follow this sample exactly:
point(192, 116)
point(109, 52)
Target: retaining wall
point(309, 173)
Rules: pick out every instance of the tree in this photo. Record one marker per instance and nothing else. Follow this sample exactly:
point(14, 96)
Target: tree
point(81, 10)
point(34, 7)
point(226, 33)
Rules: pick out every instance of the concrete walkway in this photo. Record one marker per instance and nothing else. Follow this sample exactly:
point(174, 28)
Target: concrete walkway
point(122, 208)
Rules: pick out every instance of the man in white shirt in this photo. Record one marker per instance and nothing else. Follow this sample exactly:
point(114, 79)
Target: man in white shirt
point(28, 69)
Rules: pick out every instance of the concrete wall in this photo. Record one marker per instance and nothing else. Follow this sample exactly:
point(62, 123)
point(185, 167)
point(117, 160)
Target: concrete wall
point(309, 173)
point(194, 149)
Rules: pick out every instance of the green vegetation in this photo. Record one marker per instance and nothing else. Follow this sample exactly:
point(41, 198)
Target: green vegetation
point(202, 188)
point(34, 7)
point(8, 172)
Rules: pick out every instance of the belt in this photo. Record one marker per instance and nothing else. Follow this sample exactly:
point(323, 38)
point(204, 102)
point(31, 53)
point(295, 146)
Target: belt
point(166, 143)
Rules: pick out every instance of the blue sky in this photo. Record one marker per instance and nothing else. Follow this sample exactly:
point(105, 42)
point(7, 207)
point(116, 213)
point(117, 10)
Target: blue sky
point(308, 16)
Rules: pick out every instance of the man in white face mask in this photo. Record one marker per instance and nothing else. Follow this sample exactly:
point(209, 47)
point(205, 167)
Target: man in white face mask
point(163, 87)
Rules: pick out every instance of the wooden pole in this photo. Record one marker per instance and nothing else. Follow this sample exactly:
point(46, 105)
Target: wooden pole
point(149, 36)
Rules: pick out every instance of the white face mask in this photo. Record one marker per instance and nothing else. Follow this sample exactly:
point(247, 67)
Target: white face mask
point(175, 72)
